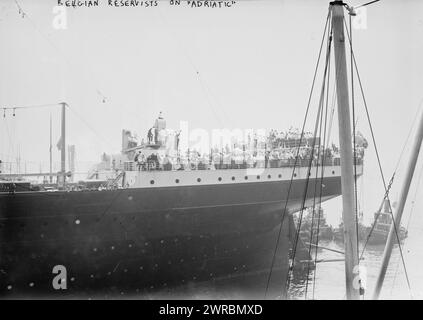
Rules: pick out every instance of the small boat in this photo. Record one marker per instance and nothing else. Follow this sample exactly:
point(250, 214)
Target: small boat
point(314, 223)
point(378, 233)
point(382, 224)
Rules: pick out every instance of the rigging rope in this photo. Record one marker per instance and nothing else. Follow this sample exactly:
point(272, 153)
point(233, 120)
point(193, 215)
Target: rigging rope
point(377, 154)
point(319, 117)
point(408, 223)
point(354, 141)
point(323, 164)
point(304, 198)
point(24, 14)
point(296, 158)
point(392, 178)
point(323, 101)
point(89, 126)
point(314, 206)
point(204, 87)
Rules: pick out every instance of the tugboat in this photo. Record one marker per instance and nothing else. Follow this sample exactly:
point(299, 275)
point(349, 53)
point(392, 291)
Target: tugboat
point(382, 225)
point(379, 229)
point(313, 221)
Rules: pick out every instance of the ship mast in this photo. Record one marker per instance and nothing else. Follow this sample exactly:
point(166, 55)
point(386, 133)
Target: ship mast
point(345, 141)
point(395, 225)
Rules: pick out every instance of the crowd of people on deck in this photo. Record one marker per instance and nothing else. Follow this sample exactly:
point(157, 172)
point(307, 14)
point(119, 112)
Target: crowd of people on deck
point(279, 149)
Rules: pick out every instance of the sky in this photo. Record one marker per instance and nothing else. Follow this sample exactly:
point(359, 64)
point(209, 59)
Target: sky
point(248, 66)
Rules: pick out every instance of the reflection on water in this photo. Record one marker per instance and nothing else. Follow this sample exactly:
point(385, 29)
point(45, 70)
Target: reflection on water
point(301, 281)
point(330, 276)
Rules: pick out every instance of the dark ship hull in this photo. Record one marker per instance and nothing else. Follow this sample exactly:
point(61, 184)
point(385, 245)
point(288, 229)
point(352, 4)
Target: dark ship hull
point(136, 240)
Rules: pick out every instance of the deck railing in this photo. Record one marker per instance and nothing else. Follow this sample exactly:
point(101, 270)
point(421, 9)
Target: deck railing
point(200, 165)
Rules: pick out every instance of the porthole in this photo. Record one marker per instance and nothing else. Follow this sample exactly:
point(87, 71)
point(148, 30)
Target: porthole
point(246, 177)
point(258, 177)
point(233, 178)
point(333, 172)
point(295, 174)
point(279, 176)
point(198, 180)
point(177, 180)
point(269, 176)
point(151, 181)
point(220, 179)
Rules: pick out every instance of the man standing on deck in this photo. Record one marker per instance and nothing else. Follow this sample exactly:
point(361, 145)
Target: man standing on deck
point(150, 135)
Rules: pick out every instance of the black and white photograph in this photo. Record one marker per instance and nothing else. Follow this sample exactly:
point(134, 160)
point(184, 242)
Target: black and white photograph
point(228, 151)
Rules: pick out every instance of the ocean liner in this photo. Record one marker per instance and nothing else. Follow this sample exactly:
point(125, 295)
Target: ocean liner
point(148, 225)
